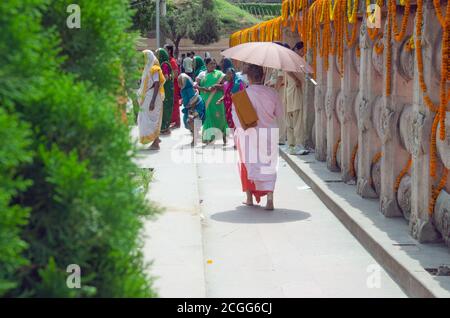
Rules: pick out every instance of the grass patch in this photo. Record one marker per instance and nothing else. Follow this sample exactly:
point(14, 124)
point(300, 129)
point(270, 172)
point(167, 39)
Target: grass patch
point(232, 17)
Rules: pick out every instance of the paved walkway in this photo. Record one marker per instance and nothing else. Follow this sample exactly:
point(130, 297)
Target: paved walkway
point(207, 245)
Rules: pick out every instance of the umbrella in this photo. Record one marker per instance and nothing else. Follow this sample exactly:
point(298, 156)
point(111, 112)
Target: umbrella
point(269, 54)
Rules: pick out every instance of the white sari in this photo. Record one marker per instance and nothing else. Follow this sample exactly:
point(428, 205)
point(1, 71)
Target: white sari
point(149, 122)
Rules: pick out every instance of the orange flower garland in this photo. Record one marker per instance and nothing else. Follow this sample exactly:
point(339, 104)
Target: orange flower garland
point(435, 192)
point(398, 36)
point(418, 46)
point(437, 8)
point(389, 48)
point(352, 165)
point(335, 149)
point(444, 70)
point(379, 46)
point(433, 146)
point(377, 157)
point(402, 174)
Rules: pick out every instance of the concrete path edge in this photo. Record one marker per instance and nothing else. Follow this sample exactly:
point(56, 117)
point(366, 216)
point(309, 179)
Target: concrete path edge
point(413, 283)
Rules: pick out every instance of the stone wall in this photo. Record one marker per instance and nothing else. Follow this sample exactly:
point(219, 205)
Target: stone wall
point(376, 127)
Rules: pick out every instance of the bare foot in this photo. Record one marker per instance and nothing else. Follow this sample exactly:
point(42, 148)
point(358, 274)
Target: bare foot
point(249, 201)
point(269, 206)
point(154, 146)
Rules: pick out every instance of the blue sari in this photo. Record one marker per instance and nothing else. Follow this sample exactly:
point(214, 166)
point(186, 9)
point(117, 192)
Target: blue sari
point(188, 94)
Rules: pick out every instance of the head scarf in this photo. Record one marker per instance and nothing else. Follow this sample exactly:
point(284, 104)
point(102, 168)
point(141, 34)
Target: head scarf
point(199, 65)
point(188, 93)
point(185, 80)
point(227, 63)
point(151, 66)
point(235, 81)
point(162, 55)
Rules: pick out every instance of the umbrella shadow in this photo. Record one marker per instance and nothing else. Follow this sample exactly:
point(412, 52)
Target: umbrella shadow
point(257, 215)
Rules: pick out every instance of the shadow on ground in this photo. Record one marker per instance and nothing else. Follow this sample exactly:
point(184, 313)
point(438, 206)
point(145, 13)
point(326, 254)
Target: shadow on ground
point(257, 215)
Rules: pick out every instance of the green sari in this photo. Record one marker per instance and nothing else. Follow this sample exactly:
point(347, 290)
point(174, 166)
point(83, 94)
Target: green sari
point(164, 60)
point(215, 114)
point(199, 66)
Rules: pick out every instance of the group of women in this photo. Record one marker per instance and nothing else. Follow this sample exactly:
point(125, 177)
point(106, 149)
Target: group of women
point(207, 99)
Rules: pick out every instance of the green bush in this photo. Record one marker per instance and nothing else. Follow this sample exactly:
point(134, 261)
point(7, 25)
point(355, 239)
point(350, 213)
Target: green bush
point(207, 31)
point(12, 155)
point(81, 198)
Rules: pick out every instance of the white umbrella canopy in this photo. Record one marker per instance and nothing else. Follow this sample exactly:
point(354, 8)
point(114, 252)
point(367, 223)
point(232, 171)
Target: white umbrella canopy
point(269, 54)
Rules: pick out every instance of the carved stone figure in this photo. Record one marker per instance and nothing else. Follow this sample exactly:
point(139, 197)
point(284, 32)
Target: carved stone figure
point(404, 196)
point(441, 216)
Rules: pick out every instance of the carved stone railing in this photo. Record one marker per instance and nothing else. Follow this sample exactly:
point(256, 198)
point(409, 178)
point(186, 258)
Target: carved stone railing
point(383, 140)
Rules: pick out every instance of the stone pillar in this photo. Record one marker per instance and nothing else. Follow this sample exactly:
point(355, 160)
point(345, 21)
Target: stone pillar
point(320, 115)
point(395, 156)
point(346, 112)
point(421, 225)
point(371, 85)
point(308, 110)
point(332, 98)
point(441, 213)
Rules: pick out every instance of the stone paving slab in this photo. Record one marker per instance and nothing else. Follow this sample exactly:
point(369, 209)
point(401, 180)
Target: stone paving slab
point(298, 250)
point(384, 238)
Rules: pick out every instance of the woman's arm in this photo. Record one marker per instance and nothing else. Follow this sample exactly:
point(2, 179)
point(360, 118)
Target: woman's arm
point(152, 102)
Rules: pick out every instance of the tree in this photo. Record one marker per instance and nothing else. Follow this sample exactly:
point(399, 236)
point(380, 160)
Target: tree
point(177, 24)
point(206, 28)
point(58, 93)
point(144, 16)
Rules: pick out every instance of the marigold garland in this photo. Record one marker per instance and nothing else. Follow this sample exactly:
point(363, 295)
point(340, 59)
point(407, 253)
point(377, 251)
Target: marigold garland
point(437, 8)
point(402, 174)
point(379, 47)
point(352, 165)
point(377, 157)
point(399, 35)
point(444, 75)
point(335, 150)
point(433, 157)
point(435, 192)
point(389, 48)
point(375, 160)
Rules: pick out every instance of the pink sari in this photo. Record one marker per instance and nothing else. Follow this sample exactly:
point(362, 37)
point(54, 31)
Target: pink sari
point(227, 101)
point(258, 147)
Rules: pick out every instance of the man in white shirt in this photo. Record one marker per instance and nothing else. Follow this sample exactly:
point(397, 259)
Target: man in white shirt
point(294, 107)
point(275, 79)
point(188, 65)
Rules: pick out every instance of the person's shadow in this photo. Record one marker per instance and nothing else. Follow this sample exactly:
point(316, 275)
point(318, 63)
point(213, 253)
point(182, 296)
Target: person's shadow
point(257, 214)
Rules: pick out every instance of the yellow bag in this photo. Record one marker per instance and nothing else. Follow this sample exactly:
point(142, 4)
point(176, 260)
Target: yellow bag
point(244, 109)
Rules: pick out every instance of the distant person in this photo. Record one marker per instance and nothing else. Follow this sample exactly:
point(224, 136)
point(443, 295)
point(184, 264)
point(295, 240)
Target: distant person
point(150, 98)
point(188, 65)
point(193, 105)
point(257, 148)
point(164, 60)
point(215, 120)
point(175, 122)
point(180, 62)
point(199, 69)
point(294, 107)
point(232, 85)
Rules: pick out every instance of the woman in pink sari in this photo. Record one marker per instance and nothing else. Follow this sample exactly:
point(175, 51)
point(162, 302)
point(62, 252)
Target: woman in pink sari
point(232, 85)
point(258, 146)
